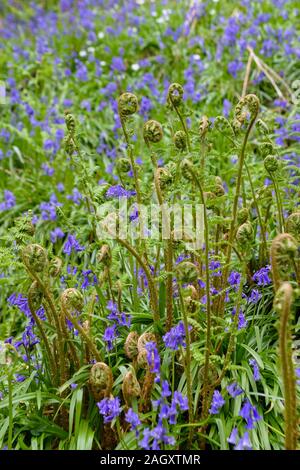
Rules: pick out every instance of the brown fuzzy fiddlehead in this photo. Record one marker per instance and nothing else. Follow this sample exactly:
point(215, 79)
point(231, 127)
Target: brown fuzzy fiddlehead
point(130, 388)
point(283, 253)
point(180, 140)
point(175, 98)
point(127, 105)
point(293, 225)
point(131, 345)
point(152, 131)
point(101, 380)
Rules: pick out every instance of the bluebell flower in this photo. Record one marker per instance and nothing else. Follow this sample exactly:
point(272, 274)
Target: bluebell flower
point(254, 297)
point(134, 215)
point(119, 191)
point(144, 443)
point(217, 403)
point(21, 302)
point(72, 245)
point(153, 358)
point(5, 134)
point(49, 145)
point(165, 389)
point(159, 433)
point(231, 31)
point(172, 413)
point(234, 390)
point(9, 201)
point(56, 234)
point(242, 323)
point(109, 408)
point(250, 414)
point(297, 372)
point(117, 64)
point(76, 196)
point(60, 187)
point(145, 106)
point(256, 373)
point(20, 377)
point(234, 67)
point(269, 47)
point(234, 279)
point(48, 209)
point(214, 266)
point(164, 412)
point(133, 419)
point(226, 107)
point(110, 334)
point(261, 277)
point(89, 278)
point(181, 401)
point(244, 443)
point(175, 337)
point(81, 72)
point(119, 319)
point(48, 170)
point(233, 438)
point(72, 269)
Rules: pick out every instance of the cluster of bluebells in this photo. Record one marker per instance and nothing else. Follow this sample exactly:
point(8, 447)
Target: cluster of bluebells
point(118, 191)
point(28, 337)
point(118, 320)
point(262, 277)
point(217, 403)
point(109, 408)
point(72, 245)
point(56, 234)
point(9, 201)
point(168, 407)
point(48, 209)
point(153, 359)
point(85, 278)
point(248, 412)
point(175, 337)
point(234, 279)
point(255, 369)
